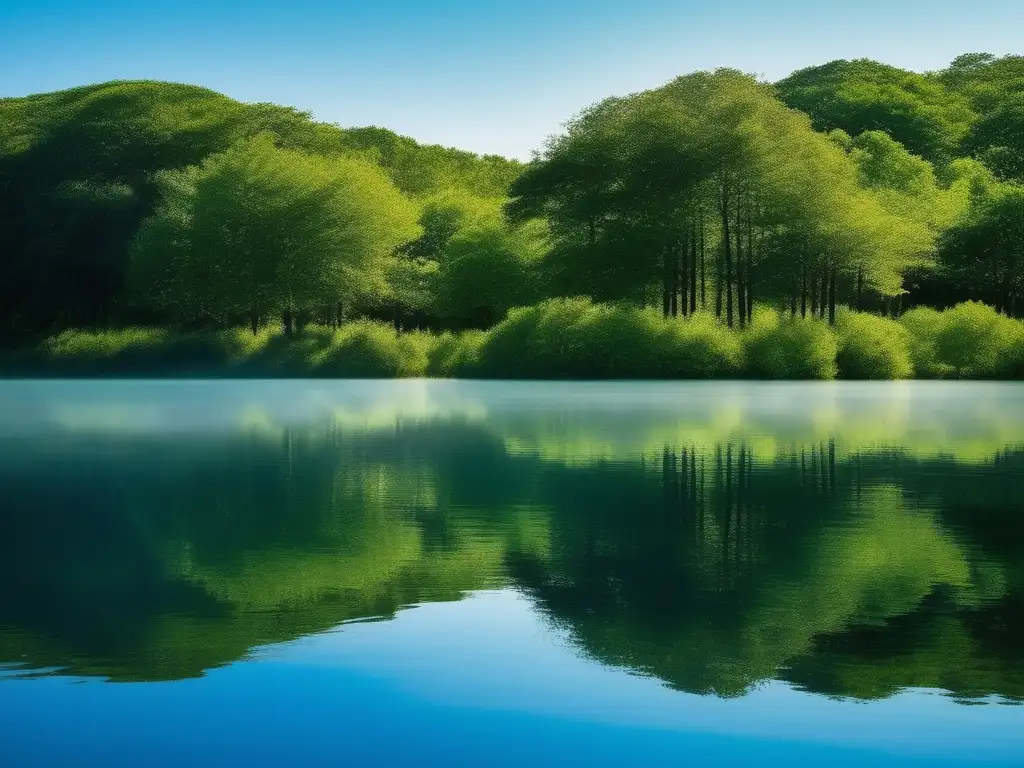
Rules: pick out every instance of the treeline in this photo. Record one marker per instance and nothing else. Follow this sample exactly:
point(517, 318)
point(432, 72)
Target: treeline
point(850, 184)
point(561, 339)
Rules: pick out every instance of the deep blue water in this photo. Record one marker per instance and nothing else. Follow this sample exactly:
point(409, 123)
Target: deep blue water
point(451, 573)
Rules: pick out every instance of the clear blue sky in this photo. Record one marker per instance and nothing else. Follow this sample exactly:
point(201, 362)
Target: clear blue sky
point(484, 75)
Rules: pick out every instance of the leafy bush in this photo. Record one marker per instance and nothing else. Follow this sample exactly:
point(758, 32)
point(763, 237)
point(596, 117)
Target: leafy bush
point(369, 350)
point(575, 338)
point(701, 347)
point(974, 341)
point(923, 324)
point(278, 355)
point(969, 341)
point(779, 348)
point(560, 339)
point(131, 351)
point(872, 347)
point(455, 355)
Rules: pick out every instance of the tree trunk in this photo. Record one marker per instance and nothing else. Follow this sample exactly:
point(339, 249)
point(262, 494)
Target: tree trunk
point(860, 288)
point(693, 268)
point(832, 296)
point(703, 271)
point(666, 282)
point(287, 319)
point(750, 289)
point(741, 287)
point(750, 266)
point(803, 291)
point(814, 296)
point(684, 278)
point(719, 284)
point(254, 321)
point(727, 240)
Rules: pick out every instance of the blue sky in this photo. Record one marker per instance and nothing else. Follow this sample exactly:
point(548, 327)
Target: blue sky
point(483, 75)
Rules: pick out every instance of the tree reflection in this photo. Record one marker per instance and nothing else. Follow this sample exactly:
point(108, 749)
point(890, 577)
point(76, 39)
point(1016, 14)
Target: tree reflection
point(669, 543)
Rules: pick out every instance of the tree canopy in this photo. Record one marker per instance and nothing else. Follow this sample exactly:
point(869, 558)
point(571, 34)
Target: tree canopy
point(864, 95)
point(715, 192)
point(258, 230)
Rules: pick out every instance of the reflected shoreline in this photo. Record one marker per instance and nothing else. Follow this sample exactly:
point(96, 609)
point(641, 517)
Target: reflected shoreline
point(852, 540)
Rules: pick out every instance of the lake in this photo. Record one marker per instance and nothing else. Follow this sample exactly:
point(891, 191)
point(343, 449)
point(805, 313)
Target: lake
point(466, 573)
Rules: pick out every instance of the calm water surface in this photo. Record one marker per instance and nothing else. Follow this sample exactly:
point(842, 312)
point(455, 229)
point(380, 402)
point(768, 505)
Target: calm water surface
point(450, 573)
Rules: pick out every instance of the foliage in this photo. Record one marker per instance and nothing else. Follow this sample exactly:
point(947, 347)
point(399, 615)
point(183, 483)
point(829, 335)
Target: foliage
point(968, 341)
point(976, 342)
point(984, 79)
point(81, 169)
point(864, 95)
point(134, 351)
point(144, 203)
point(790, 348)
point(374, 350)
point(998, 138)
point(258, 230)
point(424, 169)
point(560, 339)
point(574, 338)
point(872, 347)
point(984, 250)
point(711, 180)
point(456, 355)
point(923, 324)
point(487, 270)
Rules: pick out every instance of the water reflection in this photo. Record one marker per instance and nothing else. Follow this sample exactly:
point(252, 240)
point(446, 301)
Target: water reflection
point(853, 540)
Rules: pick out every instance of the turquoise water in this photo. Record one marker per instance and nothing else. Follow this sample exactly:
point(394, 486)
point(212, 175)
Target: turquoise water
point(456, 573)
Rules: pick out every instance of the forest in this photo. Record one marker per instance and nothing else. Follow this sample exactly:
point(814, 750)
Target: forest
point(853, 219)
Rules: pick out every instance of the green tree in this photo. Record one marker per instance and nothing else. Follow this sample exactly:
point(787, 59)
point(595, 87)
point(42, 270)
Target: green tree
point(261, 230)
point(984, 79)
point(488, 269)
point(709, 181)
point(864, 95)
point(984, 252)
point(998, 138)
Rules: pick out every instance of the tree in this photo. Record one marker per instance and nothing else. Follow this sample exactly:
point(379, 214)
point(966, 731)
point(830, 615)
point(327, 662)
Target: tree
point(76, 179)
point(998, 138)
point(984, 80)
point(709, 181)
point(488, 269)
point(863, 95)
point(259, 230)
point(984, 252)
point(414, 274)
point(127, 135)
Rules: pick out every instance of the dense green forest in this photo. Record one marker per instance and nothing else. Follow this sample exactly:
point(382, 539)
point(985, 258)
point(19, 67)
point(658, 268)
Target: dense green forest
point(742, 216)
